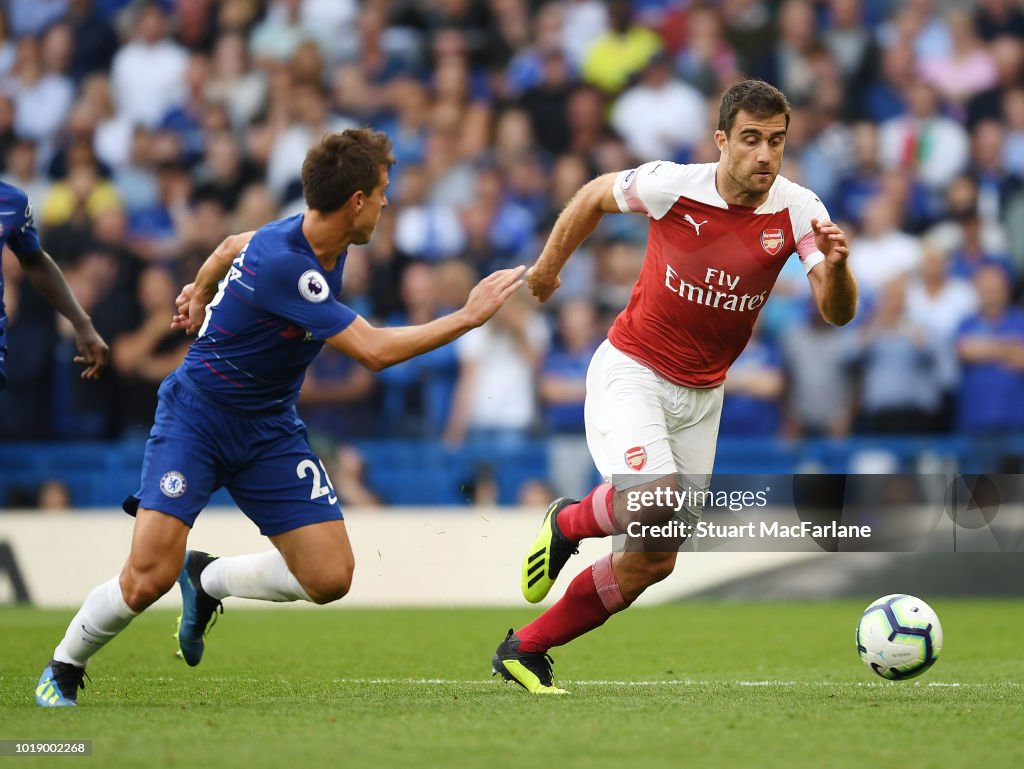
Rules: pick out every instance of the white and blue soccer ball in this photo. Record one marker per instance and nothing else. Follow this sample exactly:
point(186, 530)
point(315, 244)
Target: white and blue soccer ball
point(899, 636)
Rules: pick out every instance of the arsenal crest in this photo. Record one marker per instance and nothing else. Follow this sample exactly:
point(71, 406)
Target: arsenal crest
point(772, 240)
point(636, 458)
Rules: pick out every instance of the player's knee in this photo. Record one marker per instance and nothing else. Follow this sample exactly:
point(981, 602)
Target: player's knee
point(141, 589)
point(329, 586)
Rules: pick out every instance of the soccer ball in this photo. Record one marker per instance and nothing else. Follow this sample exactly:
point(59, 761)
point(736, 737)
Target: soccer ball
point(899, 636)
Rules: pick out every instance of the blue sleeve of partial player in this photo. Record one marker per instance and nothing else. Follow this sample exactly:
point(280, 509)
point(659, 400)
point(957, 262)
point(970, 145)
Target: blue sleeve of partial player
point(288, 287)
point(24, 239)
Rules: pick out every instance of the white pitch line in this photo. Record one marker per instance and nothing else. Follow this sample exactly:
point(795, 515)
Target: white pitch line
point(670, 682)
point(597, 682)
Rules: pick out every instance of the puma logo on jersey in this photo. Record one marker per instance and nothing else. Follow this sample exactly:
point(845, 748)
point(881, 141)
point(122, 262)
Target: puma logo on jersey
point(696, 225)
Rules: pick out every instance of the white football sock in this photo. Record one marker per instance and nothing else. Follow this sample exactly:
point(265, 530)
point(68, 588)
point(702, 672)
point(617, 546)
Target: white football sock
point(103, 615)
point(263, 576)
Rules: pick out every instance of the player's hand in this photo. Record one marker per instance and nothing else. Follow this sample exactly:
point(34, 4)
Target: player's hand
point(191, 309)
point(490, 294)
point(542, 285)
point(831, 241)
point(93, 352)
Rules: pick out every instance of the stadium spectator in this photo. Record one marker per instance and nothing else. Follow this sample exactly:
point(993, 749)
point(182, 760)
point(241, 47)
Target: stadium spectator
point(968, 68)
point(416, 396)
point(495, 399)
point(54, 497)
point(283, 30)
point(990, 345)
point(798, 43)
point(1013, 149)
point(753, 391)
point(312, 119)
point(995, 184)
point(156, 230)
point(562, 389)
point(535, 493)
point(619, 53)
point(885, 97)
point(924, 142)
point(234, 83)
point(31, 339)
point(851, 45)
point(972, 243)
point(7, 45)
point(350, 479)
point(707, 61)
point(862, 180)
point(79, 197)
point(583, 22)
point(1008, 56)
point(42, 97)
point(750, 29)
point(882, 252)
point(546, 102)
point(939, 303)
point(224, 174)
point(147, 353)
point(660, 116)
point(994, 18)
point(115, 136)
point(95, 41)
point(425, 229)
point(819, 391)
point(902, 381)
point(336, 401)
point(148, 74)
point(618, 265)
point(525, 69)
point(22, 169)
point(30, 18)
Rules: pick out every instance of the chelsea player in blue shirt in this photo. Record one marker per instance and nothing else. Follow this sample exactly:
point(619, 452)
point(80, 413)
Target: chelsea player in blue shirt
point(226, 416)
point(18, 233)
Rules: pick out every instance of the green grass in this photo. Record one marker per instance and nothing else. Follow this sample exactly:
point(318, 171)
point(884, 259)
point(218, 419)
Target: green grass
point(350, 688)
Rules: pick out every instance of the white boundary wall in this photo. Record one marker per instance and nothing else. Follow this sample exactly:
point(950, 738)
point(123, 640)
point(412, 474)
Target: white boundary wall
point(404, 557)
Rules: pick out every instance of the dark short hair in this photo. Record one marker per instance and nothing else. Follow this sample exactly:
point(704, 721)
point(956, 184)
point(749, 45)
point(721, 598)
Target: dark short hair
point(756, 97)
point(342, 164)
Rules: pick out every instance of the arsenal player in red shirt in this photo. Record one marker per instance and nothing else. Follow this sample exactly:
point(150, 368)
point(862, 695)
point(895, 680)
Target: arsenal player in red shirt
point(719, 235)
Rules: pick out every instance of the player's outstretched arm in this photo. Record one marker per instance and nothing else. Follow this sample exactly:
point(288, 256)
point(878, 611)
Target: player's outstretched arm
point(193, 299)
point(832, 281)
point(378, 348)
point(46, 277)
point(578, 219)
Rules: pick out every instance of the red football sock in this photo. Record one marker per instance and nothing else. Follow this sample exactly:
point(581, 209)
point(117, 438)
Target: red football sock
point(592, 516)
point(592, 597)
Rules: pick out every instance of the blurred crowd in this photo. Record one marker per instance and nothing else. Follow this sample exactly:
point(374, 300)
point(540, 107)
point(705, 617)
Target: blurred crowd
point(144, 132)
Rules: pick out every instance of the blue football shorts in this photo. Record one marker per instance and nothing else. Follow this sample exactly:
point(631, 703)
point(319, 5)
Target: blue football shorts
point(265, 462)
point(3, 357)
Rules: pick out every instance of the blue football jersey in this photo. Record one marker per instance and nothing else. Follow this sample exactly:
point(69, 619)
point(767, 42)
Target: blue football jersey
point(17, 232)
point(269, 319)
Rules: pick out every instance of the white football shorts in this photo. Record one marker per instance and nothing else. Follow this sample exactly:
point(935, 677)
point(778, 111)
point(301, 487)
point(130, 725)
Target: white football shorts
point(640, 426)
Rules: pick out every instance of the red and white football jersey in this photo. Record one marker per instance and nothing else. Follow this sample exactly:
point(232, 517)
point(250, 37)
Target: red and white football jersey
point(709, 267)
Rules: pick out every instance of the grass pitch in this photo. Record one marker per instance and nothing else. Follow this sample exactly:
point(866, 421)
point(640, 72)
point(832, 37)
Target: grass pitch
point(693, 684)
